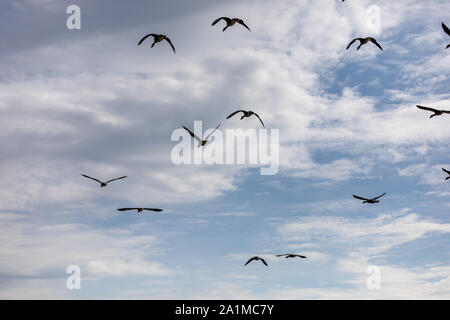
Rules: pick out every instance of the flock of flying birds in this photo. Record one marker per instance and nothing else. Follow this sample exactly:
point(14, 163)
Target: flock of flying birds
point(246, 114)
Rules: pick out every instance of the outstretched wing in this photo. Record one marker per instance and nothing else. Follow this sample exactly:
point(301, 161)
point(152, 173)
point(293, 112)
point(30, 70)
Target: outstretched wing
point(92, 178)
point(376, 43)
point(300, 256)
point(212, 132)
point(426, 108)
point(145, 37)
point(170, 42)
point(153, 209)
point(259, 119)
point(116, 179)
point(281, 255)
point(446, 171)
point(264, 261)
point(249, 260)
point(228, 20)
point(126, 209)
point(193, 135)
point(447, 30)
point(235, 113)
point(350, 44)
point(242, 23)
point(360, 198)
point(379, 196)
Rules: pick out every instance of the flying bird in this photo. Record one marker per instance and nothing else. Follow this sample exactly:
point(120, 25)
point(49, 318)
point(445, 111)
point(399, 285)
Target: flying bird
point(139, 210)
point(157, 38)
point(448, 172)
point(363, 41)
point(230, 22)
point(103, 184)
point(201, 142)
point(256, 258)
point(436, 112)
point(373, 200)
point(290, 255)
point(246, 114)
point(447, 31)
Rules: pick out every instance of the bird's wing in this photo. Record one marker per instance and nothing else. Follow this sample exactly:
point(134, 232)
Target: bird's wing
point(92, 178)
point(212, 132)
point(249, 260)
point(170, 42)
point(193, 135)
point(300, 256)
point(153, 209)
point(445, 111)
point(447, 30)
point(426, 108)
point(218, 19)
point(126, 209)
point(259, 119)
point(376, 43)
point(116, 179)
point(264, 261)
point(235, 113)
point(242, 23)
point(145, 37)
point(360, 198)
point(281, 255)
point(379, 196)
point(350, 44)
point(448, 46)
point(446, 171)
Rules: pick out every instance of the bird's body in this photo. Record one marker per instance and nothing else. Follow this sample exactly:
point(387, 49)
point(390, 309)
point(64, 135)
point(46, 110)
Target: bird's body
point(201, 142)
point(436, 111)
point(103, 183)
point(290, 255)
point(256, 258)
point(447, 172)
point(246, 114)
point(363, 41)
point(230, 22)
point(447, 31)
point(139, 210)
point(365, 200)
point(157, 38)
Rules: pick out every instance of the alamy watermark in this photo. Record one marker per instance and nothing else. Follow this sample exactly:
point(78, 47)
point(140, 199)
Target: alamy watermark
point(74, 280)
point(74, 20)
point(234, 147)
point(373, 282)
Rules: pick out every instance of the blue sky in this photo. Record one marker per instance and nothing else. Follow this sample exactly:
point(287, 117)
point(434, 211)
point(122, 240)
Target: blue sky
point(91, 101)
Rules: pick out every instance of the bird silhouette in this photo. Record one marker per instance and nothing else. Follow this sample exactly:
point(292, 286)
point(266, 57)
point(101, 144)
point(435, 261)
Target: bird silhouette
point(436, 112)
point(139, 210)
point(290, 255)
point(246, 114)
point(448, 172)
point(447, 31)
point(157, 38)
point(256, 258)
point(373, 200)
point(363, 41)
point(230, 22)
point(103, 184)
point(201, 142)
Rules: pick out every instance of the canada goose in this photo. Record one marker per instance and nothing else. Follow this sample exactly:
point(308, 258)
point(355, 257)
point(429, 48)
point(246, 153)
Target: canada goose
point(157, 38)
point(447, 31)
point(246, 114)
point(139, 210)
point(364, 41)
point(230, 22)
point(448, 172)
point(290, 255)
point(373, 200)
point(103, 184)
point(256, 258)
point(201, 142)
point(436, 112)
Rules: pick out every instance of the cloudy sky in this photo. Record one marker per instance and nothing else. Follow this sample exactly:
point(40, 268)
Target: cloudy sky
point(91, 101)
